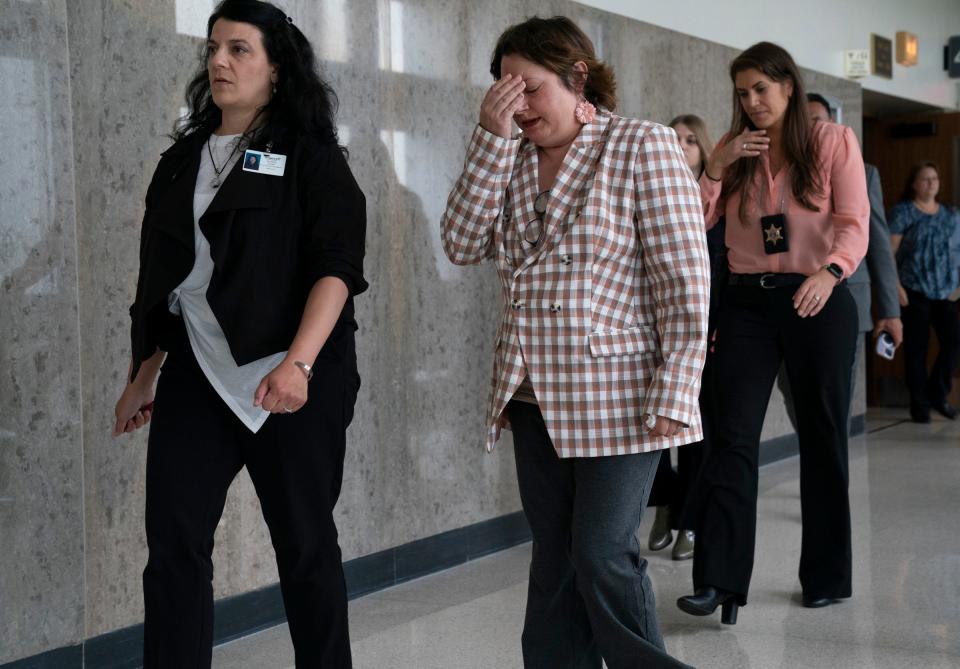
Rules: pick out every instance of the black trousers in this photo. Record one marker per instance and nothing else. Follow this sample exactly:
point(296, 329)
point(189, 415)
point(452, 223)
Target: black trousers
point(759, 328)
point(589, 594)
point(918, 317)
point(195, 449)
point(674, 488)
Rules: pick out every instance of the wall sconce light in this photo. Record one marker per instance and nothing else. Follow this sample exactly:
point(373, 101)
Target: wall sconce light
point(907, 48)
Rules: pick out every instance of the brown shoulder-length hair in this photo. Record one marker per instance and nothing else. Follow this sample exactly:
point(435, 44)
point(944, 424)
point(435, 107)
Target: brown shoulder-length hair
point(558, 44)
point(799, 151)
point(909, 194)
point(699, 128)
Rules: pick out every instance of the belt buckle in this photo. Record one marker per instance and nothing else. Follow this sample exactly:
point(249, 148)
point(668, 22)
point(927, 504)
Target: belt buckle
point(763, 281)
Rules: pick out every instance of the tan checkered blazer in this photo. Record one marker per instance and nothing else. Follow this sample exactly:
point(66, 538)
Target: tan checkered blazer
point(608, 313)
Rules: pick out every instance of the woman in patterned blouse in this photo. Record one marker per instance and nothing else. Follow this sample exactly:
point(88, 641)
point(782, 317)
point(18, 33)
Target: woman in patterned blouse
point(795, 202)
point(925, 235)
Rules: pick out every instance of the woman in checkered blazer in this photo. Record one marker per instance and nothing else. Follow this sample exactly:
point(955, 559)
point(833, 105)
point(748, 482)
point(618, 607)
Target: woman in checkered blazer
point(595, 225)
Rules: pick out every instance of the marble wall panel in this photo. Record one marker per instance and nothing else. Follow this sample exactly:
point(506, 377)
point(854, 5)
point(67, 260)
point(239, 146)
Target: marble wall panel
point(424, 335)
point(41, 474)
point(410, 75)
point(129, 68)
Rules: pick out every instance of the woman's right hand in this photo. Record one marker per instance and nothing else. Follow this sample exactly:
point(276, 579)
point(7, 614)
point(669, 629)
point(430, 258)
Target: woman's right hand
point(501, 102)
point(134, 408)
point(748, 144)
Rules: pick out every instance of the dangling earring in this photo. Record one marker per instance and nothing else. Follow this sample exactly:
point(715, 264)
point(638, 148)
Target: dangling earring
point(585, 112)
point(274, 88)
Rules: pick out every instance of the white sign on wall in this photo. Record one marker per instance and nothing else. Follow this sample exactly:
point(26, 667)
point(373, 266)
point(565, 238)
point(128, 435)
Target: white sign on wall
point(856, 63)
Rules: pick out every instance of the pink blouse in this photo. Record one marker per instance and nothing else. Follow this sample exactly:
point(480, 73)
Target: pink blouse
point(838, 233)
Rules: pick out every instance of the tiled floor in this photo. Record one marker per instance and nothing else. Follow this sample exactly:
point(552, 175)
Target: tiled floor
point(905, 613)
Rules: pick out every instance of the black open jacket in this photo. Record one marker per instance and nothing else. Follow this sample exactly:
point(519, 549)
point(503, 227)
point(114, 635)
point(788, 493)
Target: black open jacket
point(271, 239)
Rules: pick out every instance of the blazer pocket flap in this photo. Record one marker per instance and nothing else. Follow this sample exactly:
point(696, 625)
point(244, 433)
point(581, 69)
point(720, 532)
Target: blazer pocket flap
point(632, 341)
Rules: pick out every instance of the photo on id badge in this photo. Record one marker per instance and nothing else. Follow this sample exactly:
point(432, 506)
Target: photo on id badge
point(270, 164)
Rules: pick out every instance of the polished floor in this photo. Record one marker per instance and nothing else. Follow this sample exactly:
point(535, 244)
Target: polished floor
point(905, 612)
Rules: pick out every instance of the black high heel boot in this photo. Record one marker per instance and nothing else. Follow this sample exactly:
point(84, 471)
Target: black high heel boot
point(728, 612)
point(707, 599)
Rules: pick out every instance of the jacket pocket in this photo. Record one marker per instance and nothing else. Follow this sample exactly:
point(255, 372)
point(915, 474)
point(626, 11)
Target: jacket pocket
point(632, 341)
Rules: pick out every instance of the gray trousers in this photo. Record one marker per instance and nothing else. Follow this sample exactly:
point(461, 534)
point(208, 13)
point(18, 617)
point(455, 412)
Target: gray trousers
point(589, 595)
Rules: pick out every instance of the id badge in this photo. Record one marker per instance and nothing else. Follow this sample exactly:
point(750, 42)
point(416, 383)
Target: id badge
point(774, 231)
point(261, 162)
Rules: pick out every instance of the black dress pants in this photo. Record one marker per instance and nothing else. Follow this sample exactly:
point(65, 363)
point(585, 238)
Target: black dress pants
point(758, 328)
point(195, 449)
point(918, 317)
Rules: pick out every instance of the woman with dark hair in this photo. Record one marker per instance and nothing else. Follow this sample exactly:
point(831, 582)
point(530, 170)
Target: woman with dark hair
point(248, 270)
point(795, 201)
point(925, 236)
point(672, 489)
point(595, 226)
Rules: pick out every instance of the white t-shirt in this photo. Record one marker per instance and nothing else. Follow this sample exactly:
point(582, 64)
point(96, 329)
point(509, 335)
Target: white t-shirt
point(235, 384)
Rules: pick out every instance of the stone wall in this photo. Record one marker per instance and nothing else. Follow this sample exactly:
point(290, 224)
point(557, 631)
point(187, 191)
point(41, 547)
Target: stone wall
point(91, 89)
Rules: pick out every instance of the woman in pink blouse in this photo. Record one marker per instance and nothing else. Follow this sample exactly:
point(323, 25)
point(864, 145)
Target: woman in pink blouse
point(796, 209)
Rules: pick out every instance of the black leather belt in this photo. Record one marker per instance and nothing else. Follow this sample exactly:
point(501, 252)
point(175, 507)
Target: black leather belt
point(767, 280)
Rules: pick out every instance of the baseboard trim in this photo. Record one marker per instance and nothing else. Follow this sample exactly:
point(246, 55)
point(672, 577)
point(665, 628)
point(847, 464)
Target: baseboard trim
point(788, 446)
point(254, 611)
point(69, 657)
point(251, 612)
point(858, 425)
point(779, 448)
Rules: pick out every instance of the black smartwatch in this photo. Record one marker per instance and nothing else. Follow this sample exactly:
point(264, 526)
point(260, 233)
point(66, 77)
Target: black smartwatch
point(834, 269)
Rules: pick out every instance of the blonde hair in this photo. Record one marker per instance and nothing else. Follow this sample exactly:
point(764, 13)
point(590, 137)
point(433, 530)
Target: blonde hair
point(699, 128)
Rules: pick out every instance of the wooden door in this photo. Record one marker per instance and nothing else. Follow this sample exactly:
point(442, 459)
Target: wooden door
point(894, 144)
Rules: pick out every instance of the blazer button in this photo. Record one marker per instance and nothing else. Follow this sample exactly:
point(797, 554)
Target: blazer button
point(566, 259)
point(555, 307)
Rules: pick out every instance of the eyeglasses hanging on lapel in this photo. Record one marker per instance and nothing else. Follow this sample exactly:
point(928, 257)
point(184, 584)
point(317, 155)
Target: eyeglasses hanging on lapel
point(533, 230)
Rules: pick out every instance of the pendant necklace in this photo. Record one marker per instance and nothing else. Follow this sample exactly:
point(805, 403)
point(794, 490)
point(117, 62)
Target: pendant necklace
point(215, 181)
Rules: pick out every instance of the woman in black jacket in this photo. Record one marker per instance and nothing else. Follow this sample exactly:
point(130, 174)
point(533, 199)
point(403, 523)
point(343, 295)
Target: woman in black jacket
point(251, 253)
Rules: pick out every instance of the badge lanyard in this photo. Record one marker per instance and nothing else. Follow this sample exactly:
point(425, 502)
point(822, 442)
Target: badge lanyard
point(773, 227)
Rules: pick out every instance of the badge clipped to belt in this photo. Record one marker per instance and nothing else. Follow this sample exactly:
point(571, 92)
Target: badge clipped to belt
point(774, 229)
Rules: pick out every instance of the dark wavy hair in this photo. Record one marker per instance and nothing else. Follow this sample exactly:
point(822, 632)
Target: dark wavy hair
point(909, 194)
point(820, 100)
point(304, 104)
point(557, 44)
point(799, 151)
